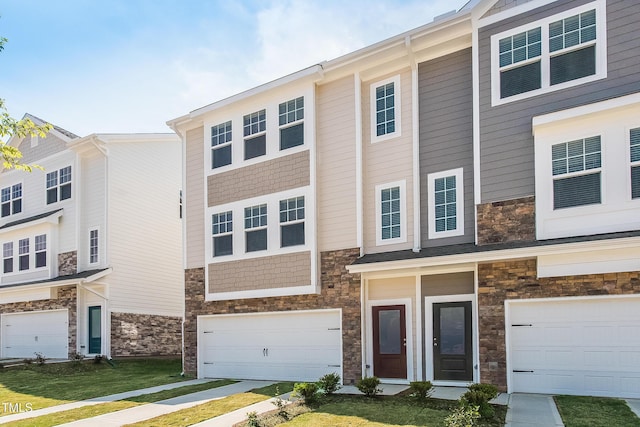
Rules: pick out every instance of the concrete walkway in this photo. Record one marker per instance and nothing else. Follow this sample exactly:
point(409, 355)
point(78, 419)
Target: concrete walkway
point(634, 404)
point(98, 400)
point(527, 410)
point(163, 407)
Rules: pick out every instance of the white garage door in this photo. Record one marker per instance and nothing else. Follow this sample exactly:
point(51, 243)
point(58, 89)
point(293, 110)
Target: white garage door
point(299, 346)
point(585, 346)
point(46, 332)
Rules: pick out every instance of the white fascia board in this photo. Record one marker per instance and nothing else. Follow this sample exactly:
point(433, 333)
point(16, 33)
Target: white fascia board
point(497, 255)
point(55, 284)
point(53, 218)
point(315, 72)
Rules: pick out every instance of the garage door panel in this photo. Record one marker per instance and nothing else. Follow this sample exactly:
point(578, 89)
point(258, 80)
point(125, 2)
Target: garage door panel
point(45, 332)
point(581, 346)
point(300, 346)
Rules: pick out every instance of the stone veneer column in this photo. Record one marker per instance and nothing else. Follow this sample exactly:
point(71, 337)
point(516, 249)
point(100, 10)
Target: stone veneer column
point(339, 289)
point(68, 263)
point(506, 221)
point(509, 280)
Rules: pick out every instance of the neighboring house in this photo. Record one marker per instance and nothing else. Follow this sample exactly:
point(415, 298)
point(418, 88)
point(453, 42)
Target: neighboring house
point(459, 203)
point(91, 255)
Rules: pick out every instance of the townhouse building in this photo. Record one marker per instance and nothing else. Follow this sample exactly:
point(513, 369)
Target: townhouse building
point(459, 203)
point(91, 247)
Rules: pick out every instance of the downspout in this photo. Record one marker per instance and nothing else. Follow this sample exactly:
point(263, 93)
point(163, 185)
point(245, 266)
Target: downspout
point(359, 179)
point(415, 137)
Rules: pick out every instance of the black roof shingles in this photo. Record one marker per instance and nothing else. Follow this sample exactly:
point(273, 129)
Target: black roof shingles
point(80, 275)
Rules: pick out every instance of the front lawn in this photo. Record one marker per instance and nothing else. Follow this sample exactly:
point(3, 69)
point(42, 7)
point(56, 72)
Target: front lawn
point(196, 414)
point(595, 411)
point(401, 410)
point(58, 383)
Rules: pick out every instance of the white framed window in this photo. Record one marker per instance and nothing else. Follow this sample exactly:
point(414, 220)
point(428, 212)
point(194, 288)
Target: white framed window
point(385, 109)
point(221, 136)
point(292, 219)
point(291, 122)
point(7, 257)
point(576, 167)
point(23, 254)
point(41, 250)
point(445, 192)
point(255, 136)
point(94, 246)
point(634, 157)
point(391, 221)
point(554, 53)
point(11, 199)
point(255, 225)
point(222, 231)
point(58, 185)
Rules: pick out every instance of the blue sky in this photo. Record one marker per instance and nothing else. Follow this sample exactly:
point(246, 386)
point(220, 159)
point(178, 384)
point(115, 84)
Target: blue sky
point(131, 65)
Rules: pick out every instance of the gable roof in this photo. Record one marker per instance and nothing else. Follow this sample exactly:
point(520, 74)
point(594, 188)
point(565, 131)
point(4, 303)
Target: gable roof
point(38, 120)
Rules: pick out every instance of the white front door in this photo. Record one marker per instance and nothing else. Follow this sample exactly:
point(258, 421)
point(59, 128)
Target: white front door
point(298, 346)
point(44, 332)
point(578, 346)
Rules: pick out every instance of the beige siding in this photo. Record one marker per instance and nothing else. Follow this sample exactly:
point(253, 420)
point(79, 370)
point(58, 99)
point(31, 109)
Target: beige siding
point(47, 146)
point(272, 176)
point(144, 184)
point(194, 198)
point(278, 271)
point(336, 159)
point(92, 210)
point(447, 284)
point(387, 161)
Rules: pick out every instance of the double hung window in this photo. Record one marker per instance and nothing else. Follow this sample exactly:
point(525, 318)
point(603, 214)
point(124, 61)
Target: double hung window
point(41, 250)
point(221, 136)
point(11, 200)
point(554, 52)
point(576, 172)
point(58, 185)
point(255, 225)
point(255, 137)
point(7, 257)
point(222, 230)
point(291, 122)
point(292, 218)
point(93, 246)
point(23, 254)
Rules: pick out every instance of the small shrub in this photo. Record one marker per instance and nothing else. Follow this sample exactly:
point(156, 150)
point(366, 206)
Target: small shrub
point(421, 390)
point(98, 359)
point(369, 386)
point(307, 391)
point(281, 405)
point(76, 358)
point(479, 395)
point(463, 416)
point(27, 361)
point(40, 359)
point(252, 419)
point(329, 383)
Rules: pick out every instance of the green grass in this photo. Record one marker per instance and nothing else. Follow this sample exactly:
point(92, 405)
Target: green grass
point(55, 384)
point(105, 408)
point(355, 411)
point(580, 411)
point(215, 408)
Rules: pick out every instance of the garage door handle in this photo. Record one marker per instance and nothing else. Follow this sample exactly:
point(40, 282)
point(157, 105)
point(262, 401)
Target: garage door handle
point(522, 324)
point(519, 371)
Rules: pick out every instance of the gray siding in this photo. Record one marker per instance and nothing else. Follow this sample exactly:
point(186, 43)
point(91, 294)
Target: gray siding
point(447, 284)
point(446, 132)
point(506, 141)
point(46, 147)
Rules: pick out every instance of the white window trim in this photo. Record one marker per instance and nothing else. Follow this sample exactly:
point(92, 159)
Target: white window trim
point(32, 255)
point(601, 54)
point(223, 234)
point(92, 229)
point(58, 185)
point(213, 148)
point(431, 178)
point(397, 109)
point(403, 213)
point(273, 226)
point(246, 229)
point(12, 199)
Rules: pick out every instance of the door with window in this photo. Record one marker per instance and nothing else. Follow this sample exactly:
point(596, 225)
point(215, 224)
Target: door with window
point(95, 330)
point(452, 345)
point(389, 341)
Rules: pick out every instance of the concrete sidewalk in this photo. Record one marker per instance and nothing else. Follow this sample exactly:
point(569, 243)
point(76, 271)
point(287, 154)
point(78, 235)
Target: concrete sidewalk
point(163, 407)
point(98, 400)
point(528, 410)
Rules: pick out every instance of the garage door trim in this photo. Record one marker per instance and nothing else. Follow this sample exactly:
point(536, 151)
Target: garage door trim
point(509, 304)
point(3, 316)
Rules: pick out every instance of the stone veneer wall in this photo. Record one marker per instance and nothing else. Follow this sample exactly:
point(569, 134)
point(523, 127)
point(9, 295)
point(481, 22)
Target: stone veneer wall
point(145, 335)
point(66, 297)
point(68, 263)
point(518, 280)
point(507, 221)
point(339, 289)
